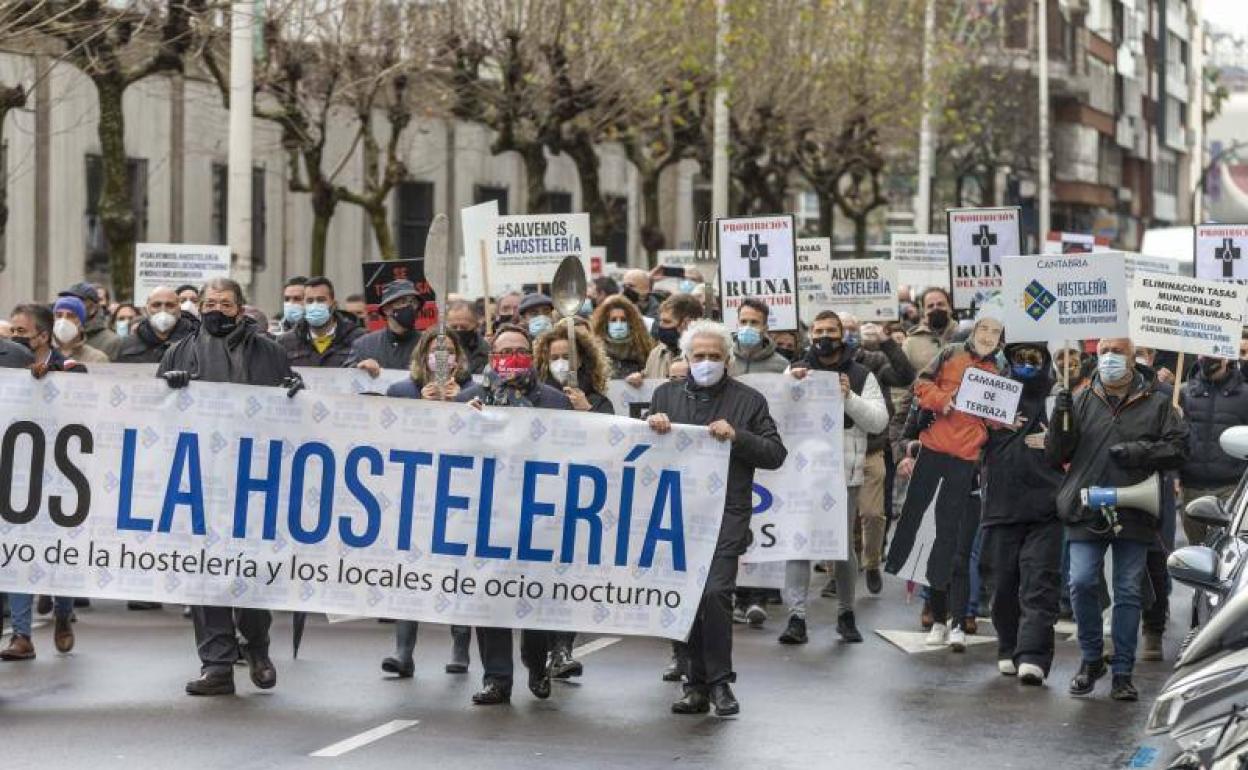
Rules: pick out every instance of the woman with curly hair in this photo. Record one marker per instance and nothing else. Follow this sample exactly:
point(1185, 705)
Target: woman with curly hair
point(619, 325)
point(587, 387)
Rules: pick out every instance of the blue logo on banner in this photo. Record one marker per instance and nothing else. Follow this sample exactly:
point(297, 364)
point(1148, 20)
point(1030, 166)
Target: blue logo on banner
point(763, 499)
point(1037, 300)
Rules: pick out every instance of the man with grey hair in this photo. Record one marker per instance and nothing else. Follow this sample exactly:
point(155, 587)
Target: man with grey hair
point(738, 414)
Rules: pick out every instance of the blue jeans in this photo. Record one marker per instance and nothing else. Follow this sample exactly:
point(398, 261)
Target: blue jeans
point(1086, 560)
point(21, 604)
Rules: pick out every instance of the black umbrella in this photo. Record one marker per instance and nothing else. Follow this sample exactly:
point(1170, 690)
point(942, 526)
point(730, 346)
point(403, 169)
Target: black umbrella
point(301, 619)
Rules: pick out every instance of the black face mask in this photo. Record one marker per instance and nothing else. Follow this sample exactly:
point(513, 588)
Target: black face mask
point(938, 319)
point(405, 317)
point(631, 295)
point(218, 324)
point(826, 347)
point(669, 336)
point(467, 338)
point(23, 341)
point(788, 353)
point(1211, 368)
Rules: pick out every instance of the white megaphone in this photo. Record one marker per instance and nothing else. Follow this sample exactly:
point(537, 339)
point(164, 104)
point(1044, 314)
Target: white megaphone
point(1145, 496)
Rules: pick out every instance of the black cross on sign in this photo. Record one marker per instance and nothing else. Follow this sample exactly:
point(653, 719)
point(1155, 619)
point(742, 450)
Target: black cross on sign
point(985, 239)
point(1228, 253)
point(754, 252)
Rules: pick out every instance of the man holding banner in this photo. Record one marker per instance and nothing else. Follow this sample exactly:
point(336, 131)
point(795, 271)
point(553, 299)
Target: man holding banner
point(735, 413)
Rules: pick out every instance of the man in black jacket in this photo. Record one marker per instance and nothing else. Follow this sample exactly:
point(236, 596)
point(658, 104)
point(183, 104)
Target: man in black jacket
point(736, 413)
point(324, 335)
point(14, 356)
point(461, 320)
point(1022, 534)
point(1212, 400)
point(391, 347)
point(228, 347)
point(164, 325)
point(1114, 433)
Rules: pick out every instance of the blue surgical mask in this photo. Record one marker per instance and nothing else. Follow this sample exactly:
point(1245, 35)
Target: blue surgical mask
point(1112, 367)
point(122, 328)
point(852, 341)
point(687, 286)
point(1025, 371)
point(617, 330)
point(317, 314)
point(539, 325)
point(748, 336)
point(587, 307)
point(292, 312)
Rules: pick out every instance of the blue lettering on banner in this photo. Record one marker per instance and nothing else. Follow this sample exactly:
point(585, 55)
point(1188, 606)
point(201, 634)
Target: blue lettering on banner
point(372, 508)
point(325, 502)
point(484, 512)
point(410, 462)
point(446, 502)
point(669, 489)
point(530, 506)
point(245, 484)
point(573, 512)
point(125, 497)
point(185, 463)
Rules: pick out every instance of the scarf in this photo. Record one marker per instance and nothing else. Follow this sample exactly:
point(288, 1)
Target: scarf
point(517, 391)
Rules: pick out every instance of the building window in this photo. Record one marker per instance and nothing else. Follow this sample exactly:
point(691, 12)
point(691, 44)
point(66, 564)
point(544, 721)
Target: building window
point(482, 193)
point(1166, 176)
point(559, 202)
point(96, 240)
point(617, 239)
point(219, 227)
point(413, 218)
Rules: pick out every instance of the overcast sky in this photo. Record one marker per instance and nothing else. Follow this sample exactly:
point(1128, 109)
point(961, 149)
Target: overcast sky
point(1230, 15)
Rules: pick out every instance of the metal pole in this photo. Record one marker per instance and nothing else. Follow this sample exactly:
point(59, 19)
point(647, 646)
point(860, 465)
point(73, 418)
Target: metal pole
point(1043, 44)
point(238, 231)
point(719, 162)
point(1196, 112)
point(923, 201)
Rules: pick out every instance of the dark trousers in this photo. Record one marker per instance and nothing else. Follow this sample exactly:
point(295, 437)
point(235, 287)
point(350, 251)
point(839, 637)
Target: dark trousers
point(961, 528)
point(1026, 562)
point(563, 640)
point(709, 649)
point(216, 634)
point(1157, 594)
point(494, 647)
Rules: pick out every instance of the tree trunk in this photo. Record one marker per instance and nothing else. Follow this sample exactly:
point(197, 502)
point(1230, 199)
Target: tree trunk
point(324, 201)
point(827, 214)
point(115, 206)
point(534, 157)
point(860, 235)
point(583, 155)
point(652, 238)
point(10, 98)
point(380, 222)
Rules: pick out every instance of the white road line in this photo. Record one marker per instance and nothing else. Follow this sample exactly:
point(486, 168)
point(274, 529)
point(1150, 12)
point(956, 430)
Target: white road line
point(598, 644)
point(365, 738)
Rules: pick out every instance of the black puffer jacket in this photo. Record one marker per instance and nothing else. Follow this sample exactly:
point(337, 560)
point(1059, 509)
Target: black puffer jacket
point(244, 356)
point(144, 347)
point(892, 369)
point(1144, 425)
point(301, 352)
point(1211, 408)
point(757, 444)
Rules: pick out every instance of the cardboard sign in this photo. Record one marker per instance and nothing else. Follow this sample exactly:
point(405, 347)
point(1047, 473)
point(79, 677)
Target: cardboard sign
point(689, 260)
point(1192, 315)
point(813, 258)
point(978, 239)
point(922, 261)
point(1134, 262)
point(757, 258)
point(378, 275)
point(988, 395)
point(1222, 252)
point(1074, 243)
point(864, 288)
point(1064, 297)
point(475, 224)
point(528, 249)
point(175, 264)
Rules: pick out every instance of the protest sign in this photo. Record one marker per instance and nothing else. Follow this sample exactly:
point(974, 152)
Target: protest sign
point(1190, 315)
point(922, 261)
point(813, 258)
point(528, 248)
point(1074, 243)
point(379, 275)
point(978, 239)
point(757, 258)
point(1134, 262)
point(235, 495)
point(175, 264)
point(988, 395)
point(1222, 252)
point(696, 260)
point(1064, 297)
point(865, 288)
point(476, 224)
point(800, 508)
point(342, 382)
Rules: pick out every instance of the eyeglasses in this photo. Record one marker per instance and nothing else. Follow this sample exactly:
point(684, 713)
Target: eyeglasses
point(511, 352)
point(400, 303)
point(225, 306)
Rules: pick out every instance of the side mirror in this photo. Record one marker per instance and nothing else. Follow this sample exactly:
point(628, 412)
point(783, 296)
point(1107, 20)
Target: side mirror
point(1196, 566)
point(1208, 510)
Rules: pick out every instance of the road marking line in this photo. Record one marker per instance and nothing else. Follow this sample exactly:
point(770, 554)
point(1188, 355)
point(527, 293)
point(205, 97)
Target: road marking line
point(598, 644)
point(365, 738)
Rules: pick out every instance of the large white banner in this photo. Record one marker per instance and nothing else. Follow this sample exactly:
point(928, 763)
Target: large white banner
point(978, 239)
point(757, 258)
point(799, 510)
point(1170, 312)
point(236, 495)
point(528, 248)
point(864, 288)
point(813, 258)
point(1222, 252)
point(341, 382)
point(922, 261)
point(1064, 297)
point(174, 264)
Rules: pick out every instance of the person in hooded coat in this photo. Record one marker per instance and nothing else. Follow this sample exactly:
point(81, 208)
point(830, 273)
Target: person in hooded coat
point(1022, 534)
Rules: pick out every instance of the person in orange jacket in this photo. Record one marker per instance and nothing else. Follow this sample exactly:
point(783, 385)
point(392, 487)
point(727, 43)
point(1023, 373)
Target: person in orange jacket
point(933, 538)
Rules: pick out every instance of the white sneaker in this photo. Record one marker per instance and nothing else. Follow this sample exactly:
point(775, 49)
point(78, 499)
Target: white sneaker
point(1030, 673)
point(937, 636)
point(957, 639)
point(1007, 667)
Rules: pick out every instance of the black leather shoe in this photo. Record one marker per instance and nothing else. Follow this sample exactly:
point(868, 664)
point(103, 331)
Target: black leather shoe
point(1123, 688)
point(795, 633)
point(403, 669)
point(694, 702)
point(212, 683)
point(847, 628)
point(724, 701)
point(539, 683)
point(875, 582)
point(142, 605)
point(263, 673)
point(490, 695)
point(1085, 680)
point(675, 671)
point(563, 665)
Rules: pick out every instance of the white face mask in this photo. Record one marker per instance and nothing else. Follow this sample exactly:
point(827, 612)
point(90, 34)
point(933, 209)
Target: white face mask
point(189, 307)
point(706, 373)
point(65, 331)
point(559, 369)
point(163, 321)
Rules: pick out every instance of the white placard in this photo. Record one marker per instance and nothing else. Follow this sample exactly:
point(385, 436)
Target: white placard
point(1052, 298)
point(175, 264)
point(988, 395)
point(757, 258)
point(1074, 243)
point(476, 224)
point(922, 261)
point(813, 256)
point(1222, 252)
point(1192, 315)
point(978, 239)
point(1134, 262)
point(865, 288)
point(529, 248)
